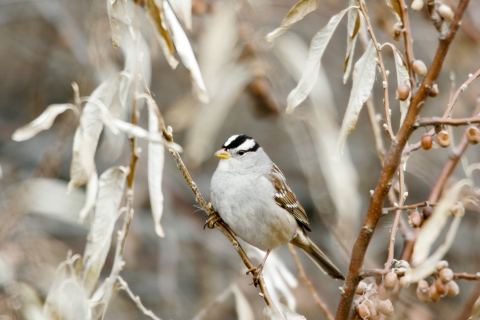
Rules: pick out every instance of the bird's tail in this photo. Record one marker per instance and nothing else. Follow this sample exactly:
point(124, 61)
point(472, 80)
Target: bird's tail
point(303, 241)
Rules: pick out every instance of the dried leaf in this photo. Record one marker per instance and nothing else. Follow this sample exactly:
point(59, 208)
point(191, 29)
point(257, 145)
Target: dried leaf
point(183, 10)
point(432, 227)
point(42, 122)
point(154, 14)
point(110, 192)
point(317, 48)
point(90, 197)
point(66, 298)
point(106, 96)
point(402, 78)
point(296, 13)
point(112, 10)
point(363, 79)
point(185, 52)
point(244, 310)
point(140, 133)
point(322, 132)
point(395, 7)
point(353, 27)
point(156, 160)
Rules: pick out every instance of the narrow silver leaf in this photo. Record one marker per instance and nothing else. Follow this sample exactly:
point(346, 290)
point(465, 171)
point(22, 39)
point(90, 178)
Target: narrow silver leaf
point(317, 48)
point(42, 122)
point(110, 192)
point(185, 51)
point(296, 13)
point(363, 79)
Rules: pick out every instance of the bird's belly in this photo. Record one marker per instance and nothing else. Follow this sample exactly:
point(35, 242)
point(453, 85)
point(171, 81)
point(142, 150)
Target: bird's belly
point(260, 222)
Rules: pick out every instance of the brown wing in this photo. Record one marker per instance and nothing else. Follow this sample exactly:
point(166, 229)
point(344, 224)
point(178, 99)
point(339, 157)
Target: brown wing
point(286, 199)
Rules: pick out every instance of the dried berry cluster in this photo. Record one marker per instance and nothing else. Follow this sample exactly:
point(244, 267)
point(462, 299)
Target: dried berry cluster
point(371, 304)
point(442, 285)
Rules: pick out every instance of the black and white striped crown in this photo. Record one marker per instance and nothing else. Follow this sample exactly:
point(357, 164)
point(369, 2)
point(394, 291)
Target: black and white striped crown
point(241, 142)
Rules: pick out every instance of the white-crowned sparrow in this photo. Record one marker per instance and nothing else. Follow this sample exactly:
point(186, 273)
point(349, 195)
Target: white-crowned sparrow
point(251, 195)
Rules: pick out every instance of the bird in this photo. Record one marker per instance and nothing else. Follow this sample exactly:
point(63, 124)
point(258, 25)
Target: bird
point(251, 195)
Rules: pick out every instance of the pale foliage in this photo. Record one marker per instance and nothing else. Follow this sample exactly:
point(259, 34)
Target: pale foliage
point(363, 79)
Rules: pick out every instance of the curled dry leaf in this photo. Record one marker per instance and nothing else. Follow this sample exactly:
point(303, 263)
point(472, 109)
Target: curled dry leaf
point(185, 52)
point(106, 96)
point(66, 298)
point(395, 7)
point(183, 10)
point(363, 79)
point(353, 27)
point(112, 10)
point(317, 48)
point(110, 192)
point(296, 13)
point(242, 306)
point(42, 122)
point(156, 160)
point(154, 13)
point(432, 227)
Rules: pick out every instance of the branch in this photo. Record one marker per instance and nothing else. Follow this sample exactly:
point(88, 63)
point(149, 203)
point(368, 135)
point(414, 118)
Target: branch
point(381, 272)
point(136, 299)
point(410, 206)
point(386, 104)
point(392, 161)
point(223, 227)
point(323, 307)
point(448, 111)
point(442, 121)
point(393, 230)
point(407, 37)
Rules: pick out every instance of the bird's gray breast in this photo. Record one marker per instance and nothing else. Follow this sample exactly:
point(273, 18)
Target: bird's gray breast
point(245, 202)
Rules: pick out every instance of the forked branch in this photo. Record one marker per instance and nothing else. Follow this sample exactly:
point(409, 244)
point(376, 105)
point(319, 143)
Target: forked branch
point(392, 161)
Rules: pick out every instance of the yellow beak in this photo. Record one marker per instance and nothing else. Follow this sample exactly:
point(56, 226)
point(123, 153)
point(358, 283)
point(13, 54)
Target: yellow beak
point(222, 154)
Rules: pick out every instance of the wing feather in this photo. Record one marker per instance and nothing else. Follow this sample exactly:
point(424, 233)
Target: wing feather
point(286, 199)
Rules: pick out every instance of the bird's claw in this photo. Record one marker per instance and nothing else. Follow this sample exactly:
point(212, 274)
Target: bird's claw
point(210, 223)
point(256, 272)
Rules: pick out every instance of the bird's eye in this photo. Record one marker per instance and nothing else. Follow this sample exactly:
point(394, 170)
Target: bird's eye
point(241, 152)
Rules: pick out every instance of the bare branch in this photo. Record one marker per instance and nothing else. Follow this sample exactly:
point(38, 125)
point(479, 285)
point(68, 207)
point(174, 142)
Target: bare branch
point(136, 299)
point(392, 161)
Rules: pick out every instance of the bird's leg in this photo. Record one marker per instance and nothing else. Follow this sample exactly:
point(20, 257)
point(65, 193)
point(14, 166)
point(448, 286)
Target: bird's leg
point(214, 218)
point(256, 271)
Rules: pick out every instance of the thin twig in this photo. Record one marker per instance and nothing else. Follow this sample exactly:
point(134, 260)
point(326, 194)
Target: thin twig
point(366, 273)
point(407, 37)
point(393, 230)
point(442, 121)
point(223, 227)
point(410, 206)
point(124, 286)
point(323, 307)
point(386, 103)
point(448, 110)
point(392, 160)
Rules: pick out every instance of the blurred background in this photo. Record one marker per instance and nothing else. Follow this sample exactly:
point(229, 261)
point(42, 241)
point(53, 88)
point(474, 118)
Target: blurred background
point(45, 45)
